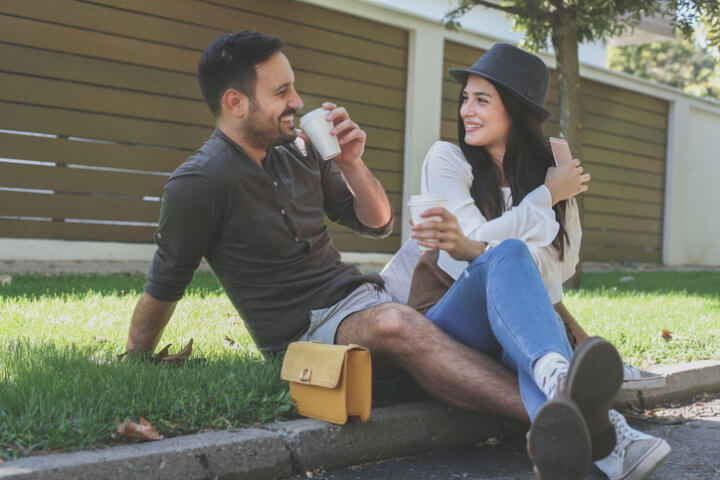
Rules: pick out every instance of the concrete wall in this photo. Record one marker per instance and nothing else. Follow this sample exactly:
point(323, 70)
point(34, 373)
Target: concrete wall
point(692, 218)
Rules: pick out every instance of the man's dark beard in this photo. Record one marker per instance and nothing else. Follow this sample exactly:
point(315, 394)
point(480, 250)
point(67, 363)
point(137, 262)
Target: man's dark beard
point(263, 138)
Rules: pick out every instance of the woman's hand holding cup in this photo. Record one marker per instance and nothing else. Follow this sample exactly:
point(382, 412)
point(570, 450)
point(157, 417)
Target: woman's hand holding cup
point(446, 234)
point(566, 181)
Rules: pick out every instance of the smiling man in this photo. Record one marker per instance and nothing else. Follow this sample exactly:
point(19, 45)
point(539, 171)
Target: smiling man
point(252, 201)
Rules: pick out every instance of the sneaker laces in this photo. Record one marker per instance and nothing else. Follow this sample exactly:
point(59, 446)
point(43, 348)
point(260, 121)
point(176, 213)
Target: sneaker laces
point(624, 432)
point(634, 371)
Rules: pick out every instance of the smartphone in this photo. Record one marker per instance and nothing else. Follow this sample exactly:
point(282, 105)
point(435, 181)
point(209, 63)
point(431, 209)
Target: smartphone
point(560, 150)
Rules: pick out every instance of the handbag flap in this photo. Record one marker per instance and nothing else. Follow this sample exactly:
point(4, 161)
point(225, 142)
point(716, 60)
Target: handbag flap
point(314, 363)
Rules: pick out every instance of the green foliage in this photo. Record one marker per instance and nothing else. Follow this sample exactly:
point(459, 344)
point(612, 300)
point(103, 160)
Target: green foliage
point(595, 19)
point(679, 63)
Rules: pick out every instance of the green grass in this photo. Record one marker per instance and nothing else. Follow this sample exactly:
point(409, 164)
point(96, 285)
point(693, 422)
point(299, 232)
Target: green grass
point(632, 315)
point(61, 386)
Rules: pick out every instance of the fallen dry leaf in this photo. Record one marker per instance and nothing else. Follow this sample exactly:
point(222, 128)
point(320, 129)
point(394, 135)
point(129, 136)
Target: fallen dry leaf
point(182, 355)
point(158, 357)
point(666, 335)
point(143, 431)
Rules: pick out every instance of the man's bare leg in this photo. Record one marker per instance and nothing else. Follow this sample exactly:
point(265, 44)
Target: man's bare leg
point(448, 370)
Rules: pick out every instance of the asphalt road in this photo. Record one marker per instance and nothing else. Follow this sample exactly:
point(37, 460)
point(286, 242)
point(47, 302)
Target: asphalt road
point(693, 431)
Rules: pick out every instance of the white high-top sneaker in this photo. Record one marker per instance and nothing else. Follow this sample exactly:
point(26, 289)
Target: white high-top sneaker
point(636, 453)
point(636, 379)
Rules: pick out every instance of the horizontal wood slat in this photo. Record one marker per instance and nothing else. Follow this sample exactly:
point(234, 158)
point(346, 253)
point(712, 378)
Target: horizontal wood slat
point(76, 231)
point(206, 13)
point(73, 96)
point(96, 71)
point(39, 34)
point(604, 205)
point(597, 237)
point(625, 192)
point(599, 171)
point(22, 204)
point(75, 180)
point(461, 55)
point(608, 254)
point(621, 223)
point(103, 127)
point(134, 157)
point(622, 159)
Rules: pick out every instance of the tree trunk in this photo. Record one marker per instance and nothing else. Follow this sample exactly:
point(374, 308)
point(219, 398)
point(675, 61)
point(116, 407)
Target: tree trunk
point(565, 43)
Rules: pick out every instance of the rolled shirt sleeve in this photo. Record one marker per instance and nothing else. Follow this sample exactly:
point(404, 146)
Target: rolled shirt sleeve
point(338, 203)
point(187, 228)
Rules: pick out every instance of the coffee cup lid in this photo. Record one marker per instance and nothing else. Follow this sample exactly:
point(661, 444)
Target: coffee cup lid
point(312, 115)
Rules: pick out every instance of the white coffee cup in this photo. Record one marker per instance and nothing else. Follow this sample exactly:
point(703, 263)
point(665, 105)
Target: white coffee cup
point(318, 129)
point(420, 203)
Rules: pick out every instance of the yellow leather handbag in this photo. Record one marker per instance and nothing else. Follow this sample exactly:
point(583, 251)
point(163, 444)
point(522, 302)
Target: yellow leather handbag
point(329, 382)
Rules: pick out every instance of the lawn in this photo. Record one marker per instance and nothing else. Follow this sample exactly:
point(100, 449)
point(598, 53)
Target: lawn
point(61, 386)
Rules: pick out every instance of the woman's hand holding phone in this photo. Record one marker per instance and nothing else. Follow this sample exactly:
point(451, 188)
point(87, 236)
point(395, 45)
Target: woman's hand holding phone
point(566, 180)
point(447, 235)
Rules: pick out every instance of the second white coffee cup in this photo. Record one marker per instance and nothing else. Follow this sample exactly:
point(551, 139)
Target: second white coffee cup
point(317, 128)
point(419, 203)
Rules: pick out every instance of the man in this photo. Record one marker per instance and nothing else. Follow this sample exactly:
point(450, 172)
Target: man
point(252, 202)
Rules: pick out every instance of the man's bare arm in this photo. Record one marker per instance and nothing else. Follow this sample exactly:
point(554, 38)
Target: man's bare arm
point(147, 323)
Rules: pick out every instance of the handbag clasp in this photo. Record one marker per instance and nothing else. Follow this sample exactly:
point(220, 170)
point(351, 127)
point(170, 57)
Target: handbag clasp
point(305, 375)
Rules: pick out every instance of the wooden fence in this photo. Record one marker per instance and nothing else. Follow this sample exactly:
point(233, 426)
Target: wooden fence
point(99, 102)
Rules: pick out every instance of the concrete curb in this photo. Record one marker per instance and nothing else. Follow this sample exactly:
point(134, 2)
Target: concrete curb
point(275, 451)
point(278, 450)
point(682, 381)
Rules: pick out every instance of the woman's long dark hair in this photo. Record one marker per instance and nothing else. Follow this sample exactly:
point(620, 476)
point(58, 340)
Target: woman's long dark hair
point(527, 158)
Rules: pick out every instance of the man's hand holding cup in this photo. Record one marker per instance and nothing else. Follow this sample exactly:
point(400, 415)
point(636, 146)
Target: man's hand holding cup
point(334, 134)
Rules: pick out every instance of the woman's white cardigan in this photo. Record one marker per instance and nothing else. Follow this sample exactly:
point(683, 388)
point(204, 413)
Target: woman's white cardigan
point(446, 171)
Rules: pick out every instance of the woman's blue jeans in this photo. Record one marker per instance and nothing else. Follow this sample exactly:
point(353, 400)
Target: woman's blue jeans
point(499, 306)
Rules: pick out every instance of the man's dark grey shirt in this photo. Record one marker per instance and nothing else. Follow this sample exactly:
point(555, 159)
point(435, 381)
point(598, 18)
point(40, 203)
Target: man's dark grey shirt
point(262, 231)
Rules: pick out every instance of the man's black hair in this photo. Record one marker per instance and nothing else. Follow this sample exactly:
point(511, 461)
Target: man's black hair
point(229, 62)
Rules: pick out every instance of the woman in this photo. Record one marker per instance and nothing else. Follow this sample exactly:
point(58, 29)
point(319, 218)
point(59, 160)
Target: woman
point(500, 184)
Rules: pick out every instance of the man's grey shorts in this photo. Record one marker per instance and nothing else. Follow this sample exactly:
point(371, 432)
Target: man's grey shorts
point(325, 321)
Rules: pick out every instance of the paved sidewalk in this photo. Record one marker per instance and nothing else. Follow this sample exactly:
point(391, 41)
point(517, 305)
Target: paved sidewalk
point(692, 430)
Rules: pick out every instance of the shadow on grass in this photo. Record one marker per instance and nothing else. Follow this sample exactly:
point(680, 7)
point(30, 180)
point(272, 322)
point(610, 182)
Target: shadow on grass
point(119, 284)
point(70, 397)
point(706, 283)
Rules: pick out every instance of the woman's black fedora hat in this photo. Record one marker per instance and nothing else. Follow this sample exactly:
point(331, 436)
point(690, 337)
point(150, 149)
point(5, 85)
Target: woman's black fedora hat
point(518, 71)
